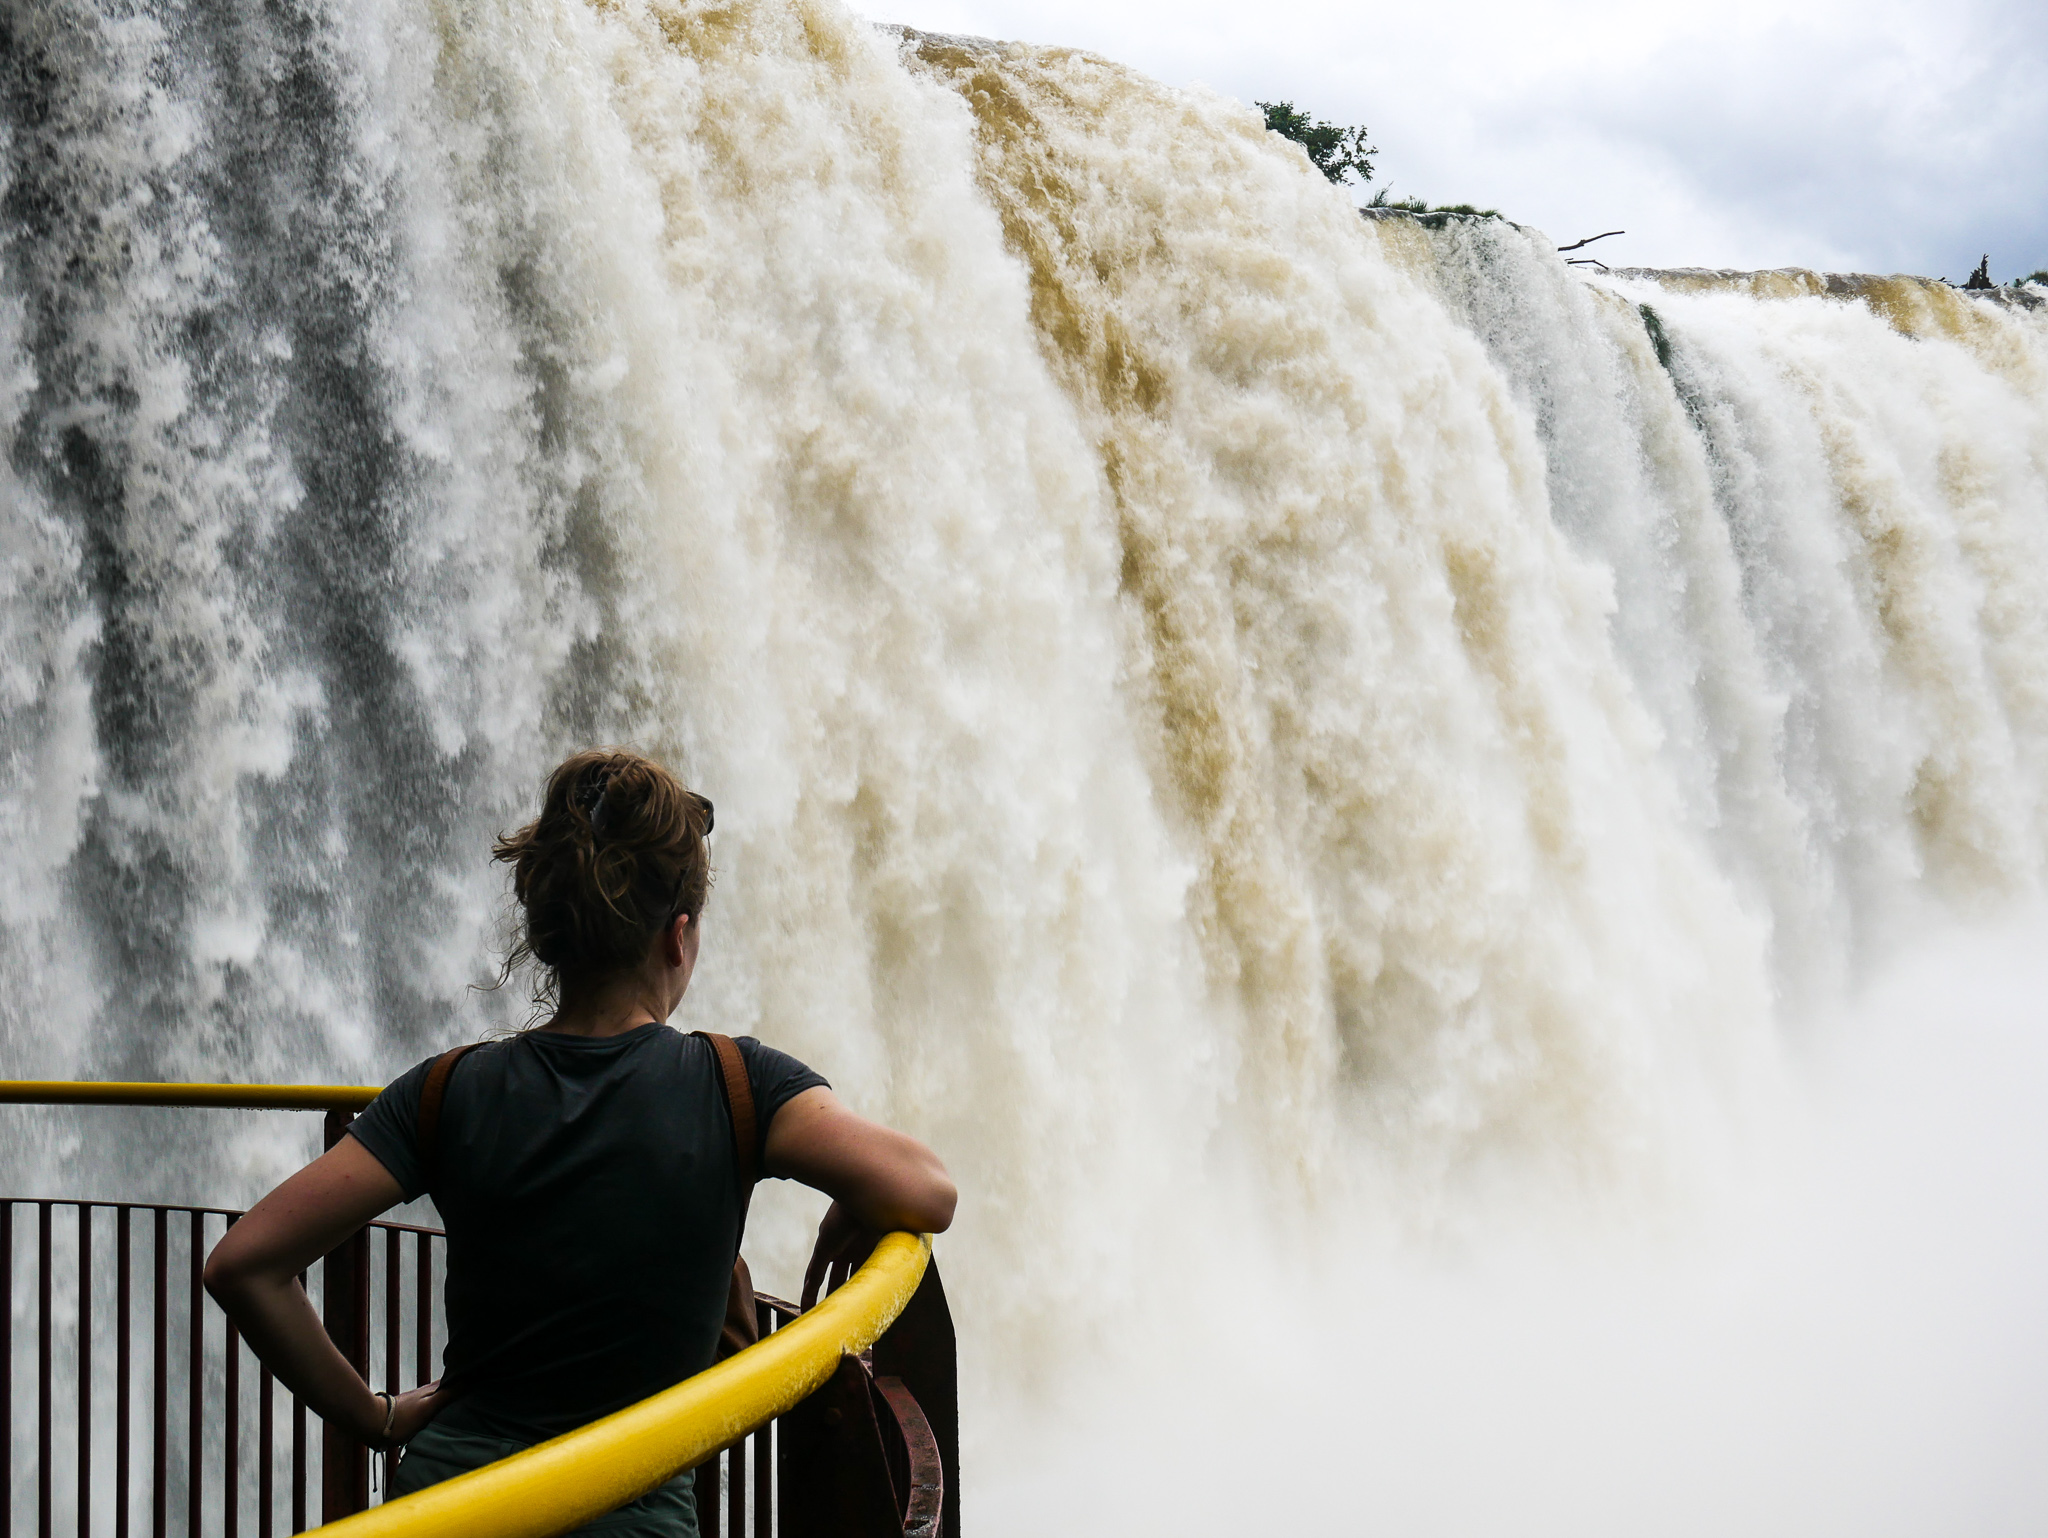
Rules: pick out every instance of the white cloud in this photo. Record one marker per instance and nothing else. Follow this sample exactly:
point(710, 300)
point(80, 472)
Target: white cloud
point(1902, 136)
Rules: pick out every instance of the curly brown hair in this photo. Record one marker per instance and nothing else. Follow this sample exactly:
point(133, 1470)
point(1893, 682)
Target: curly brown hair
point(616, 853)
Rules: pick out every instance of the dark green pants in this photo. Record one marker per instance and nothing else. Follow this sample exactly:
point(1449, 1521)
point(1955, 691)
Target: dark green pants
point(438, 1453)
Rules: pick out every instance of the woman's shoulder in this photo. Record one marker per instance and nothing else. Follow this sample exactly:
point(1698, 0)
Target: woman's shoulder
point(772, 1074)
point(401, 1098)
point(462, 1057)
point(775, 1076)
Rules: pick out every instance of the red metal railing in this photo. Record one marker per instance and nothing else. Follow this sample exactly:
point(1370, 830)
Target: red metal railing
point(134, 1357)
point(183, 1399)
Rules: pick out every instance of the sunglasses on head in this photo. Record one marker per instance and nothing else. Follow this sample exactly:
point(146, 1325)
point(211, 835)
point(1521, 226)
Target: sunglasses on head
point(591, 799)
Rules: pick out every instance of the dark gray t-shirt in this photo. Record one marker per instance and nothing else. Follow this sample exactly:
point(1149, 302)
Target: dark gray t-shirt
point(593, 1207)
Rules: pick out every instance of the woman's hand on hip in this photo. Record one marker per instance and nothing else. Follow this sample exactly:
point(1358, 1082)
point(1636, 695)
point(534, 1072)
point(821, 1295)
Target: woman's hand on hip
point(412, 1410)
point(254, 1275)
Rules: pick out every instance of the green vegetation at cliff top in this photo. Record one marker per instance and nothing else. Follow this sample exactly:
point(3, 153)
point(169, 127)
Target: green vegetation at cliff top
point(1423, 206)
point(1334, 151)
point(1340, 152)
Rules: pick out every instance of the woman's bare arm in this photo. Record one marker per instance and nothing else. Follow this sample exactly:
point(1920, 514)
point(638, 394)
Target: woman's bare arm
point(885, 1178)
point(253, 1273)
point(879, 1179)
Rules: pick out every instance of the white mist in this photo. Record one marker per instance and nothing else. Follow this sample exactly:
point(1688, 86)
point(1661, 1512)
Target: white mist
point(1847, 1340)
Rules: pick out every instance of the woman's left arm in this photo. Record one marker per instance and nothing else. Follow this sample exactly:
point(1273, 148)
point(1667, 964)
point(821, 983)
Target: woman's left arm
point(253, 1274)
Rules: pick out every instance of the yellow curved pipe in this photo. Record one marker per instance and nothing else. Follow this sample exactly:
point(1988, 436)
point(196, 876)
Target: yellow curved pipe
point(578, 1476)
point(236, 1097)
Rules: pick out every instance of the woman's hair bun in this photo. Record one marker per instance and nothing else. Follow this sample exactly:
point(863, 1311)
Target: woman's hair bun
point(615, 854)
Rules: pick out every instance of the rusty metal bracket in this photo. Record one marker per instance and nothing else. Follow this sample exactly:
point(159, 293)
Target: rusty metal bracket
point(924, 1484)
point(918, 1350)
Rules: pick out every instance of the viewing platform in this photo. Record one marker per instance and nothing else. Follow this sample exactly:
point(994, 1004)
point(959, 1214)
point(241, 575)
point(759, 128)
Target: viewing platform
point(147, 1414)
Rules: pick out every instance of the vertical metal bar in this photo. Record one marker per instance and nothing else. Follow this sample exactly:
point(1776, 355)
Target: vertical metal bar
point(85, 1370)
point(124, 1301)
point(43, 1370)
point(299, 1454)
point(195, 1386)
point(423, 1310)
point(764, 1481)
point(394, 1274)
point(298, 1465)
point(359, 1305)
point(7, 1369)
point(736, 1490)
point(160, 1386)
point(231, 1450)
point(765, 1320)
point(266, 1493)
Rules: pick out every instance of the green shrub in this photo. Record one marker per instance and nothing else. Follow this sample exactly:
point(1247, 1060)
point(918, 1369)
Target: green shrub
point(1336, 152)
point(1341, 152)
point(2040, 277)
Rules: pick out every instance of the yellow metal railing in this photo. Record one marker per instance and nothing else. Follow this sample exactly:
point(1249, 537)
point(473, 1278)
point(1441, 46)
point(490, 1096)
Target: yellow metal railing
point(566, 1482)
point(226, 1097)
point(562, 1484)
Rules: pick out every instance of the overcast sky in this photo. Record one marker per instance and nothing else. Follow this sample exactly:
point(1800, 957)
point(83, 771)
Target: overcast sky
point(1880, 136)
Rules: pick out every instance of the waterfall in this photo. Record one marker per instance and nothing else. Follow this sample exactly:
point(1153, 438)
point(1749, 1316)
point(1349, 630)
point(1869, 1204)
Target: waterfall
point(1199, 689)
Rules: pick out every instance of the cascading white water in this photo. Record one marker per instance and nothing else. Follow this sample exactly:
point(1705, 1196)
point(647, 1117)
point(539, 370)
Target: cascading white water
point(1200, 692)
point(1824, 524)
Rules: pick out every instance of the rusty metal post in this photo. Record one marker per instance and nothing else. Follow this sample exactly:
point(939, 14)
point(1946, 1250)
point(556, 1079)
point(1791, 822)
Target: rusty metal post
point(919, 1350)
point(345, 1310)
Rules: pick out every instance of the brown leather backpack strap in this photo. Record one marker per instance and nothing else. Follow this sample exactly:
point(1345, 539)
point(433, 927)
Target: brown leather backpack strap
point(742, 1314)
point(432, 1093)
point(739, 1104)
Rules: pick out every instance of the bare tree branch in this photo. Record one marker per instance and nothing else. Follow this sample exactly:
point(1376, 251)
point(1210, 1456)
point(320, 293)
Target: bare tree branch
point(1589, 240)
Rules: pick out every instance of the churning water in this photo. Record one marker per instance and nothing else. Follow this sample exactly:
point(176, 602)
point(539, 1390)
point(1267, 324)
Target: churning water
point(1253, 731)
